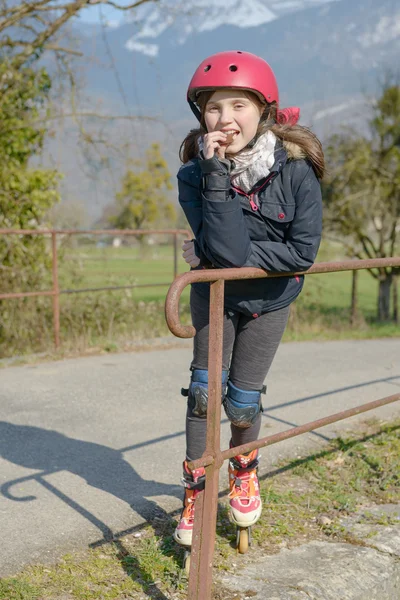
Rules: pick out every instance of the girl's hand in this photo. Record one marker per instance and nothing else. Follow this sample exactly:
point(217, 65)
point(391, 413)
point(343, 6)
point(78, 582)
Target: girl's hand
point(213, 142)
point(189, 254)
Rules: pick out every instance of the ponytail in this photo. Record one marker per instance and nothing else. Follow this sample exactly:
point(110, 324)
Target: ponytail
point(189, 148)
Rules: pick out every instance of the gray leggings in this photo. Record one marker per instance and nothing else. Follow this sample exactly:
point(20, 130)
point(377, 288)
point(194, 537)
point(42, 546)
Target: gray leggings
point(249, 347)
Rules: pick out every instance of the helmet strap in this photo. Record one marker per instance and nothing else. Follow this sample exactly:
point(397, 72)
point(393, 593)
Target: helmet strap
point(270, 122)
point(195, 110)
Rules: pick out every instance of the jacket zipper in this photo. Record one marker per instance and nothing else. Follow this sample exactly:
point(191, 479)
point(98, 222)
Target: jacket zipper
point(252, 203)
point(250, 197)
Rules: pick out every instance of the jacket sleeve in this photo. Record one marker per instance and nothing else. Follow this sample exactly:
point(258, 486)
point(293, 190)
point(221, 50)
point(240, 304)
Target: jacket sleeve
point(214, 214)
point(299, 251)
point(211, 250)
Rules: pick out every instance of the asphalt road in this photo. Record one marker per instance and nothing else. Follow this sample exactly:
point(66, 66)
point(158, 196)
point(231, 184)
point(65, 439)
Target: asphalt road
point(92, 447)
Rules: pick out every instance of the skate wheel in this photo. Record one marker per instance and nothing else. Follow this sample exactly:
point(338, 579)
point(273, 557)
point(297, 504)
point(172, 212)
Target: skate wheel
point(243, 539)
point(186, 562)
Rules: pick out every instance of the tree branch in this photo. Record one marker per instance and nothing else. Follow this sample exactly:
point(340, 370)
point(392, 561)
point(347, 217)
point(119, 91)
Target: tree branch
point(12, 17)
point(367, 240)
point(105, 117)
point(118, 6)
point(63, 50)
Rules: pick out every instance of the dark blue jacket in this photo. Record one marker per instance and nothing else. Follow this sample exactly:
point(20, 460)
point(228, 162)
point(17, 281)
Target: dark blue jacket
point(277, 228)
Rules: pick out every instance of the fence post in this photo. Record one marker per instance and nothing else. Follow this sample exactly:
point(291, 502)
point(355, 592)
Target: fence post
point(175, 255)
point(56, 291)
point(205, 521)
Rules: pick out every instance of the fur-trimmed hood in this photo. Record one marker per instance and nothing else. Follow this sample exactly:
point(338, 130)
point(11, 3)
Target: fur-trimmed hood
point(294, 152)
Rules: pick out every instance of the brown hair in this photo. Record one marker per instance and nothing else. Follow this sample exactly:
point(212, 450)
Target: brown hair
point(295, 134)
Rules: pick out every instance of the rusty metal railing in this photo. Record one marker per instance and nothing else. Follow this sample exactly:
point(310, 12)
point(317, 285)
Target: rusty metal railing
point(55, 292)
point(200, 577)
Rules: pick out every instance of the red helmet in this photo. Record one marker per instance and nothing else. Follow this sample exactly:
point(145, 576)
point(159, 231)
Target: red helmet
point(233, 69)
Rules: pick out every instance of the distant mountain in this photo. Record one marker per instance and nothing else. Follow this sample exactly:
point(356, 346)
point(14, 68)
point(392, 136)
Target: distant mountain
point(317, 53)
point(182, 20)
point(325, 56)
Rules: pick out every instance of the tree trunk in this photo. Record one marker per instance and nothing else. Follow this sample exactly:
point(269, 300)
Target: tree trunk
point(395, 301)
point(293, 317)
point(385, 286)
point(354, 296)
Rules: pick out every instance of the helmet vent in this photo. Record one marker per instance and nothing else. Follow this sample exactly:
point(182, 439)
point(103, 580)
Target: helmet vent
point(207, 68)
point(239, 52)
point(233, 68)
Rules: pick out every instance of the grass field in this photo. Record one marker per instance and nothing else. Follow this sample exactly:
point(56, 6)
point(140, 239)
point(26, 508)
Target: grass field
point(97, 267)
point(89, 267)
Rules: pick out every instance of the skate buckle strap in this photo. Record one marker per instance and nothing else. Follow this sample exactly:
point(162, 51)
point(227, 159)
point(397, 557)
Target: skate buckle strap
point(193, 480)
point(193, 485)
point(245, 463)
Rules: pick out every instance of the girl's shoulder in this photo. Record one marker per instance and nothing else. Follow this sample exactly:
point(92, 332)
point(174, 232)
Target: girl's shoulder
point(299, 167)
point(190, 172)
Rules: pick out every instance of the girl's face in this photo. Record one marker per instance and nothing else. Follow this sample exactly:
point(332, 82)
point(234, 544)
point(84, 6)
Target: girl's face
point(233, 111)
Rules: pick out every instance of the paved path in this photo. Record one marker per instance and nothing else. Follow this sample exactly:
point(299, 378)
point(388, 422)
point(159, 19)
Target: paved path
point(94, 445)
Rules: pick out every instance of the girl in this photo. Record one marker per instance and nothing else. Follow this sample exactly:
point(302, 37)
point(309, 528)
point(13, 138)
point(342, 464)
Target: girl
point(249, 187)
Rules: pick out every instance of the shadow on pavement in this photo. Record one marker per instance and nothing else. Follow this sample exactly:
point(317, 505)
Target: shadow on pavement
point(49, 452)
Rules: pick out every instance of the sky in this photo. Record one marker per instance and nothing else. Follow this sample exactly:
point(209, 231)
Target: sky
point(112, 15)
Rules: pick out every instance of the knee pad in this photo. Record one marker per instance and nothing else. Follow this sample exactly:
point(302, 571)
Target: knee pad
point(198, 391)
point(242, 407)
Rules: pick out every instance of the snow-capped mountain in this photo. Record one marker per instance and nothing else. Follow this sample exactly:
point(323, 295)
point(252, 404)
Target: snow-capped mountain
point(182, 19)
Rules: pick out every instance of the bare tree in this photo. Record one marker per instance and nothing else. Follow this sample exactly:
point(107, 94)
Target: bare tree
point(362, 191)
point(30, 28)
point(33, 30)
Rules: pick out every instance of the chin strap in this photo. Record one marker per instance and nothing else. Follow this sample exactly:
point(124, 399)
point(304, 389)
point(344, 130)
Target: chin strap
point(195, 110)
point(288, 116)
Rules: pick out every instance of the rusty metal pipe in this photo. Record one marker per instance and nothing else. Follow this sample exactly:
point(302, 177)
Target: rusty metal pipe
point(56, 291)
point(26, 294)
point(200, 579)
point(94, 231)
point(293, 432)
point(115, 288)
point(84, 290)
point(208, 275)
